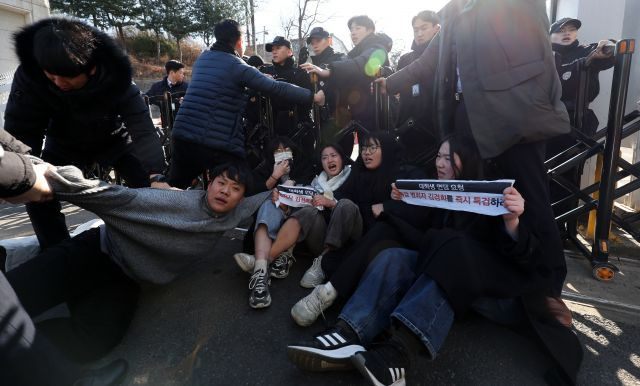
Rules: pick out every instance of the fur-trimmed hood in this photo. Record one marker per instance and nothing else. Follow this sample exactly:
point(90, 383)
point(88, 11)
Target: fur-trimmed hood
point(113, 75)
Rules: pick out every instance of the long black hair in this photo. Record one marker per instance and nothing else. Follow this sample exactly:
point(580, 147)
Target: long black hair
point(467, 151)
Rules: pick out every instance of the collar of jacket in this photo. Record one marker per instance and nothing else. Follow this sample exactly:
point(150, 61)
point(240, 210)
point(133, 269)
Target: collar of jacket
point(562, 50)
point(223, 48)
point(419, 49)
point(324, 57)
point(366, 43)
point(288, 63)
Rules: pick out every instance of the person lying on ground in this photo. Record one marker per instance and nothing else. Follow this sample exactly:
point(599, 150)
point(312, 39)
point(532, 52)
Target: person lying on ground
point(27, 357)
point(150, 236)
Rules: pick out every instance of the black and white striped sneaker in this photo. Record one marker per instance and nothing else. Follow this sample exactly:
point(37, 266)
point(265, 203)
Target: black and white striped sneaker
point(383, 364)
point(330, 350)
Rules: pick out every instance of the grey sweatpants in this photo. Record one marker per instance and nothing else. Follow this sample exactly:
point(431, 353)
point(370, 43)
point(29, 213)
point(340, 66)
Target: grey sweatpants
point(345, 224)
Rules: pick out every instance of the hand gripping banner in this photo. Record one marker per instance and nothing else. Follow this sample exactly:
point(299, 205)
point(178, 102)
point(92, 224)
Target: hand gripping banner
point(483, 197)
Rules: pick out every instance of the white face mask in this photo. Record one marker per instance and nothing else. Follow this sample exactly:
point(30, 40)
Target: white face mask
point(282, 156)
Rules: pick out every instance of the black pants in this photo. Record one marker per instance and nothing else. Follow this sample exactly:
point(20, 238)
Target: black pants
point(345, 267)
point(101, 298)
point(188, 160)
point(26, 356)
point(47, 219)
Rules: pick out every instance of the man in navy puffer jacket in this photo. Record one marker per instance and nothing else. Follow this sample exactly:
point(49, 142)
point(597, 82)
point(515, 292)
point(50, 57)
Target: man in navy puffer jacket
point(208, 129)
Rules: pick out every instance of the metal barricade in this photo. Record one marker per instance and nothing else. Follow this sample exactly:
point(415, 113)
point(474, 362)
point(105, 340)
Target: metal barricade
point(618, 127)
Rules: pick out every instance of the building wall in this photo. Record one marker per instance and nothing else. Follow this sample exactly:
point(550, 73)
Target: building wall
point(14, 14)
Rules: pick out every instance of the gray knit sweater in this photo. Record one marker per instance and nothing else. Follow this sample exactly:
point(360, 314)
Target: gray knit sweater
point(153, 234)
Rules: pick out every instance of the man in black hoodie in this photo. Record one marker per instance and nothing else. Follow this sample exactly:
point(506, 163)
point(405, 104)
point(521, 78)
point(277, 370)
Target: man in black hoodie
point(417, 134)
point(74, 86)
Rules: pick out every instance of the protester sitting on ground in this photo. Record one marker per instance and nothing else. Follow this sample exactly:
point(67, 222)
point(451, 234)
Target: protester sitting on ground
point(382, 235)
point(269, 173)
point(150, 236)
point(74, 87)
point(369, 188)
point(463, 261)
point(27, 357)
point(208, 129)
point(337, 222)
point(172, 82)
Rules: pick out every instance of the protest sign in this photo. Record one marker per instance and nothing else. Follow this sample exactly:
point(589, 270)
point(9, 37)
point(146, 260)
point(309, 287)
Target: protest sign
point(295, 196)
point(483, 197)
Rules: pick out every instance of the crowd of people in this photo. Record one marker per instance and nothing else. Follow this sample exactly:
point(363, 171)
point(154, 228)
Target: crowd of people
point(405, 272)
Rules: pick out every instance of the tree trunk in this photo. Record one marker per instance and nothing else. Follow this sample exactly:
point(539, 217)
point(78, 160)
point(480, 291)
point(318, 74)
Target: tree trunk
point(252, 11)
point(248, 20)
point(121, 35)
point(179, 48)
point(158, 47)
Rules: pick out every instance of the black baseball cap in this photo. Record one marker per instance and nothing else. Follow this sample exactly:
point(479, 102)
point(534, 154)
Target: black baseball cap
point(555, 27)
point(317, 32)
point(278, 41)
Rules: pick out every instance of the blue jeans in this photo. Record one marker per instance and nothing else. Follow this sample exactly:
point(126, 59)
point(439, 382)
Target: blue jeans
point(271, 217)
point(391, 289)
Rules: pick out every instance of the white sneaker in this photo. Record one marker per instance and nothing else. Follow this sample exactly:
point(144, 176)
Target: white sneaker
point(307, 310)
point(314, 275)
point(245, 261)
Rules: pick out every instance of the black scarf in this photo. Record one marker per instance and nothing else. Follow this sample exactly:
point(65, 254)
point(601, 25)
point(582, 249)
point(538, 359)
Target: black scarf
point(562, 49)
point(325, 56)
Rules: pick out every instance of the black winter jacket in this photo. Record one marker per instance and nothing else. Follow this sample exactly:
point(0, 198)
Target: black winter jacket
point(569, 59)
point(93, 123)
point(354, 75)
point(287, 114)
point(331, 92)
point(159, 88)
point(511, 91)
point(16, 172)
point(211, 113)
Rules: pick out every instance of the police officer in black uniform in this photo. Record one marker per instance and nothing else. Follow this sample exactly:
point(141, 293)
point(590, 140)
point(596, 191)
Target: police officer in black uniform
point(570, 57)
point(323, 55)
point(287, 116)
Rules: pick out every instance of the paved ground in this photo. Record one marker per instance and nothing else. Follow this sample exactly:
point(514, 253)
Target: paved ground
point(200, 331)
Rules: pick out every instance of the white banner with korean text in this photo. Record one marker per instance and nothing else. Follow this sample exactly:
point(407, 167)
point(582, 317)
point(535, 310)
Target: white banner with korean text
point(295, 196)
point(483, 197)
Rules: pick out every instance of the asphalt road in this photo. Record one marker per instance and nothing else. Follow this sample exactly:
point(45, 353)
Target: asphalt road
point(200, 330)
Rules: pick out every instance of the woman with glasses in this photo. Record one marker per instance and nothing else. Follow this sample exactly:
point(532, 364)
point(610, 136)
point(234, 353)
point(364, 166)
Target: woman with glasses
point(369, 187)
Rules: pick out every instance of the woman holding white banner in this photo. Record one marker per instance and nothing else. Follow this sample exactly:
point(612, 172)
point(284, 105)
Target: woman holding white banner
point(463, 261)
point(279, 227)
point(369, 187)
